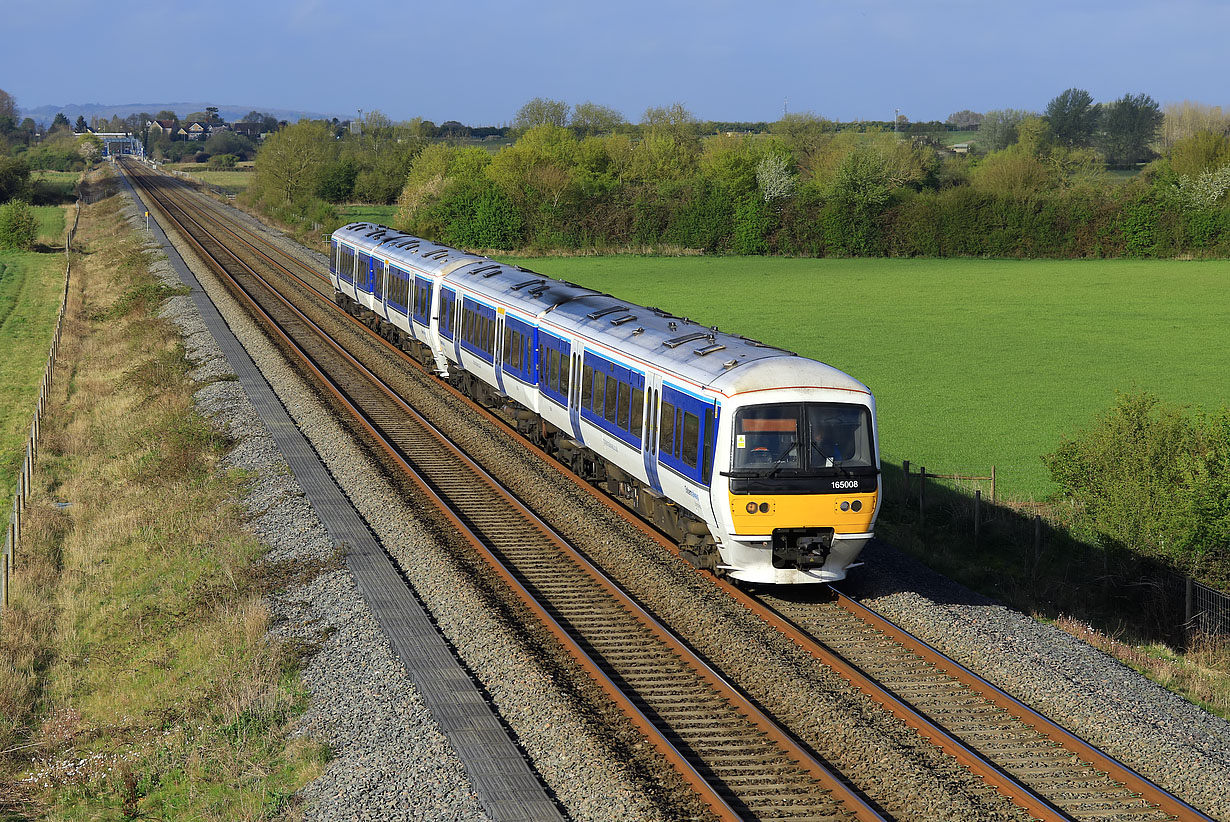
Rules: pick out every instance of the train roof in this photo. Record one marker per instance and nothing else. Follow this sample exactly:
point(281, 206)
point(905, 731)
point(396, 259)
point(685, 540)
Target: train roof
point(729, 363)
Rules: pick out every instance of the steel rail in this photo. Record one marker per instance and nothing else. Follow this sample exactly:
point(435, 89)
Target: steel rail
point(1099, 759)
point(994, 775)
point(857, 805)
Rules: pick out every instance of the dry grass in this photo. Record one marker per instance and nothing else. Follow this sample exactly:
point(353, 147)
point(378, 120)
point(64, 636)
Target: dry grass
point(136, 675)
point(1201, 674)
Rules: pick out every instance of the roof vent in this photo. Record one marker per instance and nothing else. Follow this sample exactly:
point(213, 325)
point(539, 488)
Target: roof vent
point(730, 364)
point(593, 315)
point(678, 341)
point(627, 318)
point(520, 286)
point(708, 349)
point(672, 326)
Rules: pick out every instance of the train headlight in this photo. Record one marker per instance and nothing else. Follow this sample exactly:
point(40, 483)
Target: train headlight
point(857, 505)
point(764, 507)
point(751, 507)
point(845, 506)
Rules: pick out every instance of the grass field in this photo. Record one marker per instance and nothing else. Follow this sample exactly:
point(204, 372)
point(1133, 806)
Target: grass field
point(30, 286)
point(973, 363)
point(54, 186)
point(234, 181)
point(371, 213)
point(50, 225)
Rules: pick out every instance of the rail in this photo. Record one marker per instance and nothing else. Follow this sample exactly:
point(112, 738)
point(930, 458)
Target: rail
point(21, 496)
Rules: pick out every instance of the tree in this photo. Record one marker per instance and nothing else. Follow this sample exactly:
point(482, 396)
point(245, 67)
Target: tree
point(964, 120)
point(60, 123)
point(1200, 152)
point(8, 106)
point(999, 128)
point(80, 127)
point(1130, 125)
point(775, 178)
point(1187, 118)
point(806, 135)
point(289, 164)
point(1073, 117)
point(14, 177)
point(211, 114)
point(90, 147)
point(166, 114)
point(541, 112)
point(18, 227)
point(589, 119)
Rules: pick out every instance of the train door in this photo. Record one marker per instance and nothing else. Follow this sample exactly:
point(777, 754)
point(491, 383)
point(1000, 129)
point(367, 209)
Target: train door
point(649, 442)
point(574, 395)
point(497, 350)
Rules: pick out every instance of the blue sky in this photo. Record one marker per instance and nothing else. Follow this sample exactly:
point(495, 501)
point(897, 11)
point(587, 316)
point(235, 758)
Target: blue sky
point(478, 61)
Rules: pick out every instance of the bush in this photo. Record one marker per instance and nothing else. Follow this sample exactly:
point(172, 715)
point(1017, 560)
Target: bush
point(18, 228)
point(201, 157)
point(221, 161)
point(1150, 479)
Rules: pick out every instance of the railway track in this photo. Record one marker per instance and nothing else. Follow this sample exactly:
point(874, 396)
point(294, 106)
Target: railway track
point(1035, 764)
point(738, 760)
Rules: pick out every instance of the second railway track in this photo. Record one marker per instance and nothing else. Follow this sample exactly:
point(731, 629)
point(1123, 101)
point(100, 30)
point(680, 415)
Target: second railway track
point(1028, 765)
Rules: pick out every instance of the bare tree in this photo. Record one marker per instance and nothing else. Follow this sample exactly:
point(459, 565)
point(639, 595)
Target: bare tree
point(542, 112)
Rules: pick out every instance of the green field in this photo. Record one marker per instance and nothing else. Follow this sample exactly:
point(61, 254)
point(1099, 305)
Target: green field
point(234, 181)
point(973, 363)
point(382, 214)
point(30, 285)
point(54, 186)
point(50, 225)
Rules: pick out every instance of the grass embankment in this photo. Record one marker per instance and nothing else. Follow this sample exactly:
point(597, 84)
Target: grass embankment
point(973, 363)
point(30, 286)
point(136, 677)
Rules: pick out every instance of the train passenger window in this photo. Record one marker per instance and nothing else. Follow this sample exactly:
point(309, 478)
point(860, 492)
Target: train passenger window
point(625, 394)
point(333, 256)
point(490, 334)
point(587, 382)
point(599, 391)
point(377, 278)
point(638, 410)
point(553, 375)
point(508, 338)
point(691, 438)
point(666, 442)
point(707, 453)
point(518, 347)
point(612, 396)
point(564, 367)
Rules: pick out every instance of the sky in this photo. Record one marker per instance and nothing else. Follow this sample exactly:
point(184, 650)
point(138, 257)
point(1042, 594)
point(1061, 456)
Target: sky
point(478, 61)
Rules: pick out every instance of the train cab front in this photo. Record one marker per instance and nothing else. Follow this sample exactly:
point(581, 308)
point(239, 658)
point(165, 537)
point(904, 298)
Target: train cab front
point(803, 490)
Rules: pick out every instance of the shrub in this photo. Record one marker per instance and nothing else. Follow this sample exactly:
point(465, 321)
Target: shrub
point(18, 228)
point(1149, 478)
point(221, 161)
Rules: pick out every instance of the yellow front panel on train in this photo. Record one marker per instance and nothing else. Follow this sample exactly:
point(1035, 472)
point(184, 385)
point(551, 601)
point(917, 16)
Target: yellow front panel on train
point(761, 513)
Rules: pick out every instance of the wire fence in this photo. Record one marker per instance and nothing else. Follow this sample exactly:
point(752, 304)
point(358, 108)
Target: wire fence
point(1189, 606)
point(21, 495)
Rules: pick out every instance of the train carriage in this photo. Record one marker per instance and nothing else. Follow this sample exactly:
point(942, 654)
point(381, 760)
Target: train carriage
point(763, 465)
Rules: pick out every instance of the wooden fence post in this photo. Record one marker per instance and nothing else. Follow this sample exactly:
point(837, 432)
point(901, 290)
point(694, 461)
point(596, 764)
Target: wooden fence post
point(992, 484)
point(977, 517)
point(1037, 539)
point(922, 496)
point(905, 467)
point(1188, 609)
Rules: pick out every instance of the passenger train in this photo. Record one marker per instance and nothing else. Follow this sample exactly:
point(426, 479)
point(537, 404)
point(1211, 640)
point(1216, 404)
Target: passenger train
point(764, 465)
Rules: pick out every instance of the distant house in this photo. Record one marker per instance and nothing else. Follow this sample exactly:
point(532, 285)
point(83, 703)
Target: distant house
point(161, 126)
point(196, 130)
point(253, 130)
point(959, 148)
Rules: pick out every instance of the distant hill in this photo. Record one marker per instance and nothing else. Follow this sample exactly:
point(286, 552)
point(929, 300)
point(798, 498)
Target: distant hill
point(231, 113)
